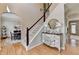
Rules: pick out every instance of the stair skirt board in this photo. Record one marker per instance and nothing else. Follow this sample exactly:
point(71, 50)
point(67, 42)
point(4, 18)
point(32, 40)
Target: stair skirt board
point(29, 48)
point(38, 32)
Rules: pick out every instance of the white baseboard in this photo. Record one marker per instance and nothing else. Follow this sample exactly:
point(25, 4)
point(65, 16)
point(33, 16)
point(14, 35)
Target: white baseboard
point(29, 48)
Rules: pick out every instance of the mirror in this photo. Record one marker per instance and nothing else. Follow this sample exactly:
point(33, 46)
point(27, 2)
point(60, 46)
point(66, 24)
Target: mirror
point(54, 26)
point(54, 23)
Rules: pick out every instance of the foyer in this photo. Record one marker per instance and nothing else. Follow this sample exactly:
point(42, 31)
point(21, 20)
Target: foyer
point(39, 29)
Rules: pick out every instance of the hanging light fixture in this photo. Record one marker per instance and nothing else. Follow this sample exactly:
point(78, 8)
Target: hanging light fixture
point(8, 10)
point(9, 14)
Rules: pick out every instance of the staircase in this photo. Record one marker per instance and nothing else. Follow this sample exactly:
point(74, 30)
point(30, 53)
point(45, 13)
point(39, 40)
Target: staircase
point(38, 26)
point(34, 31)
point(34, 37)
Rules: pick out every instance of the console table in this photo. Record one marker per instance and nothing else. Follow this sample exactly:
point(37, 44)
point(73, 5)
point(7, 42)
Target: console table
point(52, 39)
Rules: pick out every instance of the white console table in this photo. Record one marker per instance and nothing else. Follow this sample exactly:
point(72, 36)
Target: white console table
point(52, 39)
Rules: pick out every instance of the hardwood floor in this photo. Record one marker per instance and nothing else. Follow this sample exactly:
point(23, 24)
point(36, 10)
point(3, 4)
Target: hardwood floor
point(71, 50)
point(15, 49)
point(43, 50)
point(18, 49)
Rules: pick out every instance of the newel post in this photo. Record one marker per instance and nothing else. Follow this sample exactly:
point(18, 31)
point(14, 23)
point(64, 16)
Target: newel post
point(27, 35)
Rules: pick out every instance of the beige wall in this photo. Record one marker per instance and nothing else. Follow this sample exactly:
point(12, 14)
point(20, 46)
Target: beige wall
point(29, 14)
point(2, 7)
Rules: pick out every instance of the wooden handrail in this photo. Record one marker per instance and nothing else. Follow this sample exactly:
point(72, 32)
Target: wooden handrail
point(40, 17)
point(36, 22)
point(28, 29)
point(27, 36)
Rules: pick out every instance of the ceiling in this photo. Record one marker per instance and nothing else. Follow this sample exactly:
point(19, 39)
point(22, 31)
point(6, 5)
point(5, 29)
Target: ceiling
point(29, 12)
point(72, 10)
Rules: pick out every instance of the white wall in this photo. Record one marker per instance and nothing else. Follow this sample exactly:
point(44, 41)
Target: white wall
point(58, 13)
point(10, 26)
point(10, 22)
point(53, 6)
